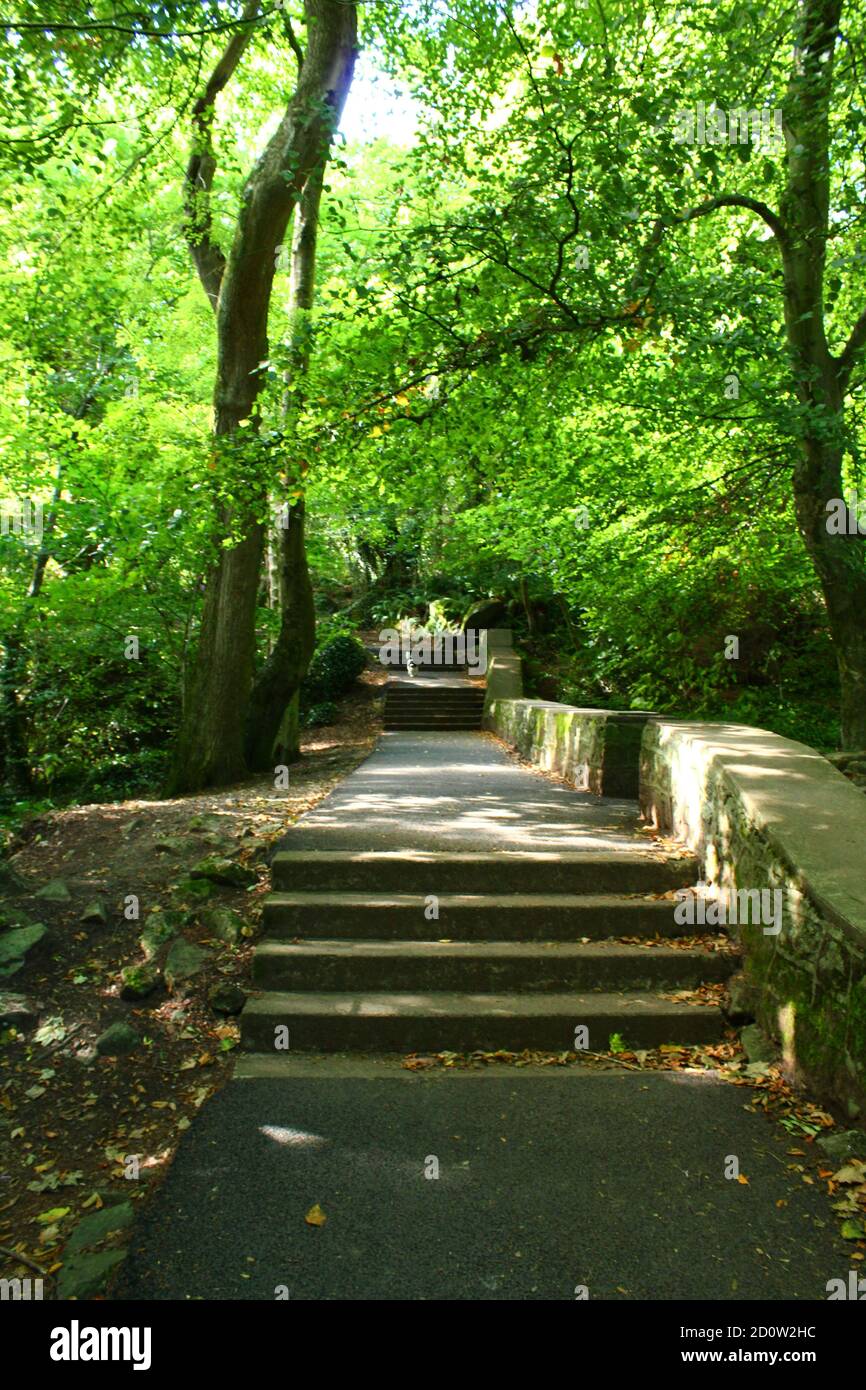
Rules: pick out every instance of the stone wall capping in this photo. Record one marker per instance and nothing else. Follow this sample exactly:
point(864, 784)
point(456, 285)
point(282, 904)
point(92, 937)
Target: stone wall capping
point(811, 815)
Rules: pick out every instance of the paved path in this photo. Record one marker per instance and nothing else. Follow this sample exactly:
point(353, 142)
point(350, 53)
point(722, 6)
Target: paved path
point(548, 1178)
point(460, 791)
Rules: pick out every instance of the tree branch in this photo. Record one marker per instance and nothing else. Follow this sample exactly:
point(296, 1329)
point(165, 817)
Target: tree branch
point(738, 200)
point(294, 43)
point(574, 230)
point(298, 146)
point(207, 257)
point(848, 356)
point(56, 26)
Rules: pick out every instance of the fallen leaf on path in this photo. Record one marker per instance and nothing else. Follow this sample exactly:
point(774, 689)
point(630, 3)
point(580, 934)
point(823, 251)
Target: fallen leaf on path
point(55, 1214)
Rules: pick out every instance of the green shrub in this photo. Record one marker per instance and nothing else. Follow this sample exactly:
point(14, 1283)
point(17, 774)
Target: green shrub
point(323, 713)
point(118, 778)
point(334, 668)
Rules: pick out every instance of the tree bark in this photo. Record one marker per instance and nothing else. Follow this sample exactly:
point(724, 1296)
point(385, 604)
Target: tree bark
point(273, 731)
point(211, 746)
point(820, 378)
point(272, 726)
point(13, 740)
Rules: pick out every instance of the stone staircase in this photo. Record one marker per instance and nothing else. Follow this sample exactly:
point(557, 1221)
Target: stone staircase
point(524, 950)
point(432, 704)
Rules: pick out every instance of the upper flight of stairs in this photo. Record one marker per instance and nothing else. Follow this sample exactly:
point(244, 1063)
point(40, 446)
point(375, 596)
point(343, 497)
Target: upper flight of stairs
point(433, 706)
point(524, 951)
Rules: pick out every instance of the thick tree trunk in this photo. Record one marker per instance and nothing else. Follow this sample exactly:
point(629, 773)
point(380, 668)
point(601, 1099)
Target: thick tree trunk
point(273, 731)
point(211, 747)
point(272, 726)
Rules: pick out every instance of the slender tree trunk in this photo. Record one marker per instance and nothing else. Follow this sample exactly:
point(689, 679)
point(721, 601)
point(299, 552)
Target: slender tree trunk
point(839, 563)
point(211, 746)
point(820, 378)
point(14, 758)
point(13, 741)
point(13, 734)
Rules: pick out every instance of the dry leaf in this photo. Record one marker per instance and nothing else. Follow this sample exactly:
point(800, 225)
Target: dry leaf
point(852, 1172)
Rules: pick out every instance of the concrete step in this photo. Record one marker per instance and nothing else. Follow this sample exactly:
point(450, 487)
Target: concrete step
point(417, 710)
point(439, 1022)
point(431, 692)
point(420, 725)
point(430, 684)
point(482, 966)
point(432, 719)
point(411, 711)
point(438, 706)
point(467, 917)
point(394, 871)
point(415, 703)
point(434, 712)
point(435, 715)
point(426, 708)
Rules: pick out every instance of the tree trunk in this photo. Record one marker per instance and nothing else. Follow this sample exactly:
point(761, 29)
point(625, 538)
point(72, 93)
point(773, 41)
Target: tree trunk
point(838, 561)
point(273, 730)
point(13, 740)
point(821, 381)
point(272, 726)
point(211, 746)
point(820, 378)
point(14, 752)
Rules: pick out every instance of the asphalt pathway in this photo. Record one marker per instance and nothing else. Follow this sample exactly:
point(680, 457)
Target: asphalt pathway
point(548, 1181)
point(460, 791)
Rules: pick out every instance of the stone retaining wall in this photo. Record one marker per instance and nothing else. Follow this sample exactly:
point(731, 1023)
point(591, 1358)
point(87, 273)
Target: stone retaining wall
point(504, 667)
point(595, 750)
point(761, 812)
point(766, 812)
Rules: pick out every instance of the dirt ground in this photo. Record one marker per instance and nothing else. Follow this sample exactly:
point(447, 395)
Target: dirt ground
point(75, 1125)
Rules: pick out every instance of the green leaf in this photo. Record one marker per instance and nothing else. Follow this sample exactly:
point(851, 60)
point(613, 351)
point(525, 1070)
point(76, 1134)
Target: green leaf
point(55, 1214)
